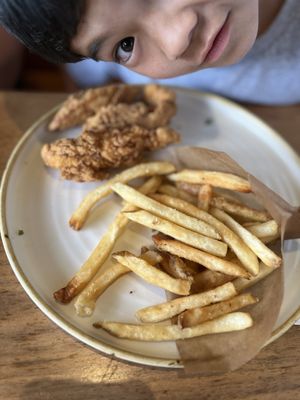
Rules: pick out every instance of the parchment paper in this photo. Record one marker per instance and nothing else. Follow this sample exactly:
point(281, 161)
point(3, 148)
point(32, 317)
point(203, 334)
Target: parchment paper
point(220, 353)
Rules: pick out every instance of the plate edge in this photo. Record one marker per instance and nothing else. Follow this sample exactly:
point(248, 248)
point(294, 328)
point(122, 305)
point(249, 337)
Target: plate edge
point(53, 315)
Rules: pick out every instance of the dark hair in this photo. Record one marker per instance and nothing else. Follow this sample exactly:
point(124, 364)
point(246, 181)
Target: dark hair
point(46, 27)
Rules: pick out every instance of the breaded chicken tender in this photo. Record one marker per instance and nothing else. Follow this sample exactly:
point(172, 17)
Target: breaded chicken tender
point(80, 106)
point(120, 122)
point(88, 157)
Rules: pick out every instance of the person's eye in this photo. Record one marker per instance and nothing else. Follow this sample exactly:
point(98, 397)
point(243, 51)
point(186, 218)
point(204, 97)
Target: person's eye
point(124, 50)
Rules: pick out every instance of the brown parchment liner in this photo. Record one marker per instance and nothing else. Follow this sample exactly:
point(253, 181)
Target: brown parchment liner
point(220, 353)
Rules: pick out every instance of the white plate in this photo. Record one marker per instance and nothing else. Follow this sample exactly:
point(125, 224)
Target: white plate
point(35, 201)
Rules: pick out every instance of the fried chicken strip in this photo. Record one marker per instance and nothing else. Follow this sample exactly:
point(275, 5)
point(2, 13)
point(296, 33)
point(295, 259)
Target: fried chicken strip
point(121, 122)
point(88, 157)
point(160, 103)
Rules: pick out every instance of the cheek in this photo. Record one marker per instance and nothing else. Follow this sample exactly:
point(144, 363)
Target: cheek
point(160, 69)
point(246, 19)
point(243, 34)
point(153, 63)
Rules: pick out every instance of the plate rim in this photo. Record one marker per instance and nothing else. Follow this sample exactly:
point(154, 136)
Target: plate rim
point(54, 316)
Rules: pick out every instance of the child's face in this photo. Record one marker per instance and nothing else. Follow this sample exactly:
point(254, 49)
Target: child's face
point(166, 38)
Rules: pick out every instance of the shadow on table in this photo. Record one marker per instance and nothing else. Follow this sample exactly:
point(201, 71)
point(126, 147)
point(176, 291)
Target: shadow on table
point(74, 390)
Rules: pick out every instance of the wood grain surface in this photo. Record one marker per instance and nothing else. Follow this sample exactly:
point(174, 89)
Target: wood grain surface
point(39, 361)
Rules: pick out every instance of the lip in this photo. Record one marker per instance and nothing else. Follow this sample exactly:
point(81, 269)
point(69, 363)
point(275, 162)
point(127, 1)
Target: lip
point(218, 44)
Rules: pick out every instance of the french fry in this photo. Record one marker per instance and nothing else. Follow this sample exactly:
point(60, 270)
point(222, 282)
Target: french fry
point(94, 261)
point(210, 296)
point(171, 190)
point(208, 279)
point(86, 301)
point(178, 232)
point(229, 195)
point(163, 311)
point(214, 178)
point(191, 188)
point(265, 229)
point(151, 274)
point(204, 197)
point(241, 284)
point(102, 250)
point(196, 316)
point(146, 203)
point(251, 223)
point(240, 210)
point(207, 260)
point(141, 170)
point(270, 239)
point(242, 251)
point(152, 257)
point(176, 267)
point(267, 256)
point(226, 323)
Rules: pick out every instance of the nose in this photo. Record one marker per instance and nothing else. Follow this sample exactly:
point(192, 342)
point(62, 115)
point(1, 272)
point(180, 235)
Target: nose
point(172, 33)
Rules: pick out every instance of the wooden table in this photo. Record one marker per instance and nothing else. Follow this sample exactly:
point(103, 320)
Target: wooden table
point(39, 361)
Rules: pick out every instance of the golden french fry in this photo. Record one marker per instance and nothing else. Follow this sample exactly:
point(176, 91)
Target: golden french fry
point(175, 192)
point(265, 229)
point(199, 315)
point(226, 323)
point(251, 223)
point(191, 188)
point(239, 209)
point(141, 170)
point(86, 301)
point(242, 284)
point(229, 195)
point(94, 261)
point(257, 246)
point(208, 279)
point(178, 232)
point(207, 260)
point(270, 239)
point(204, 197)
point(151, 274)
point(146, 203)
point(176, 267)
point(102, 250)
point(242, 251)
point(152, 257)
point(214, 178)
point(163, 311)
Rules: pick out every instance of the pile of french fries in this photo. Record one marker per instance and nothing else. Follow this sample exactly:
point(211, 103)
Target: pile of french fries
point(207, 249)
